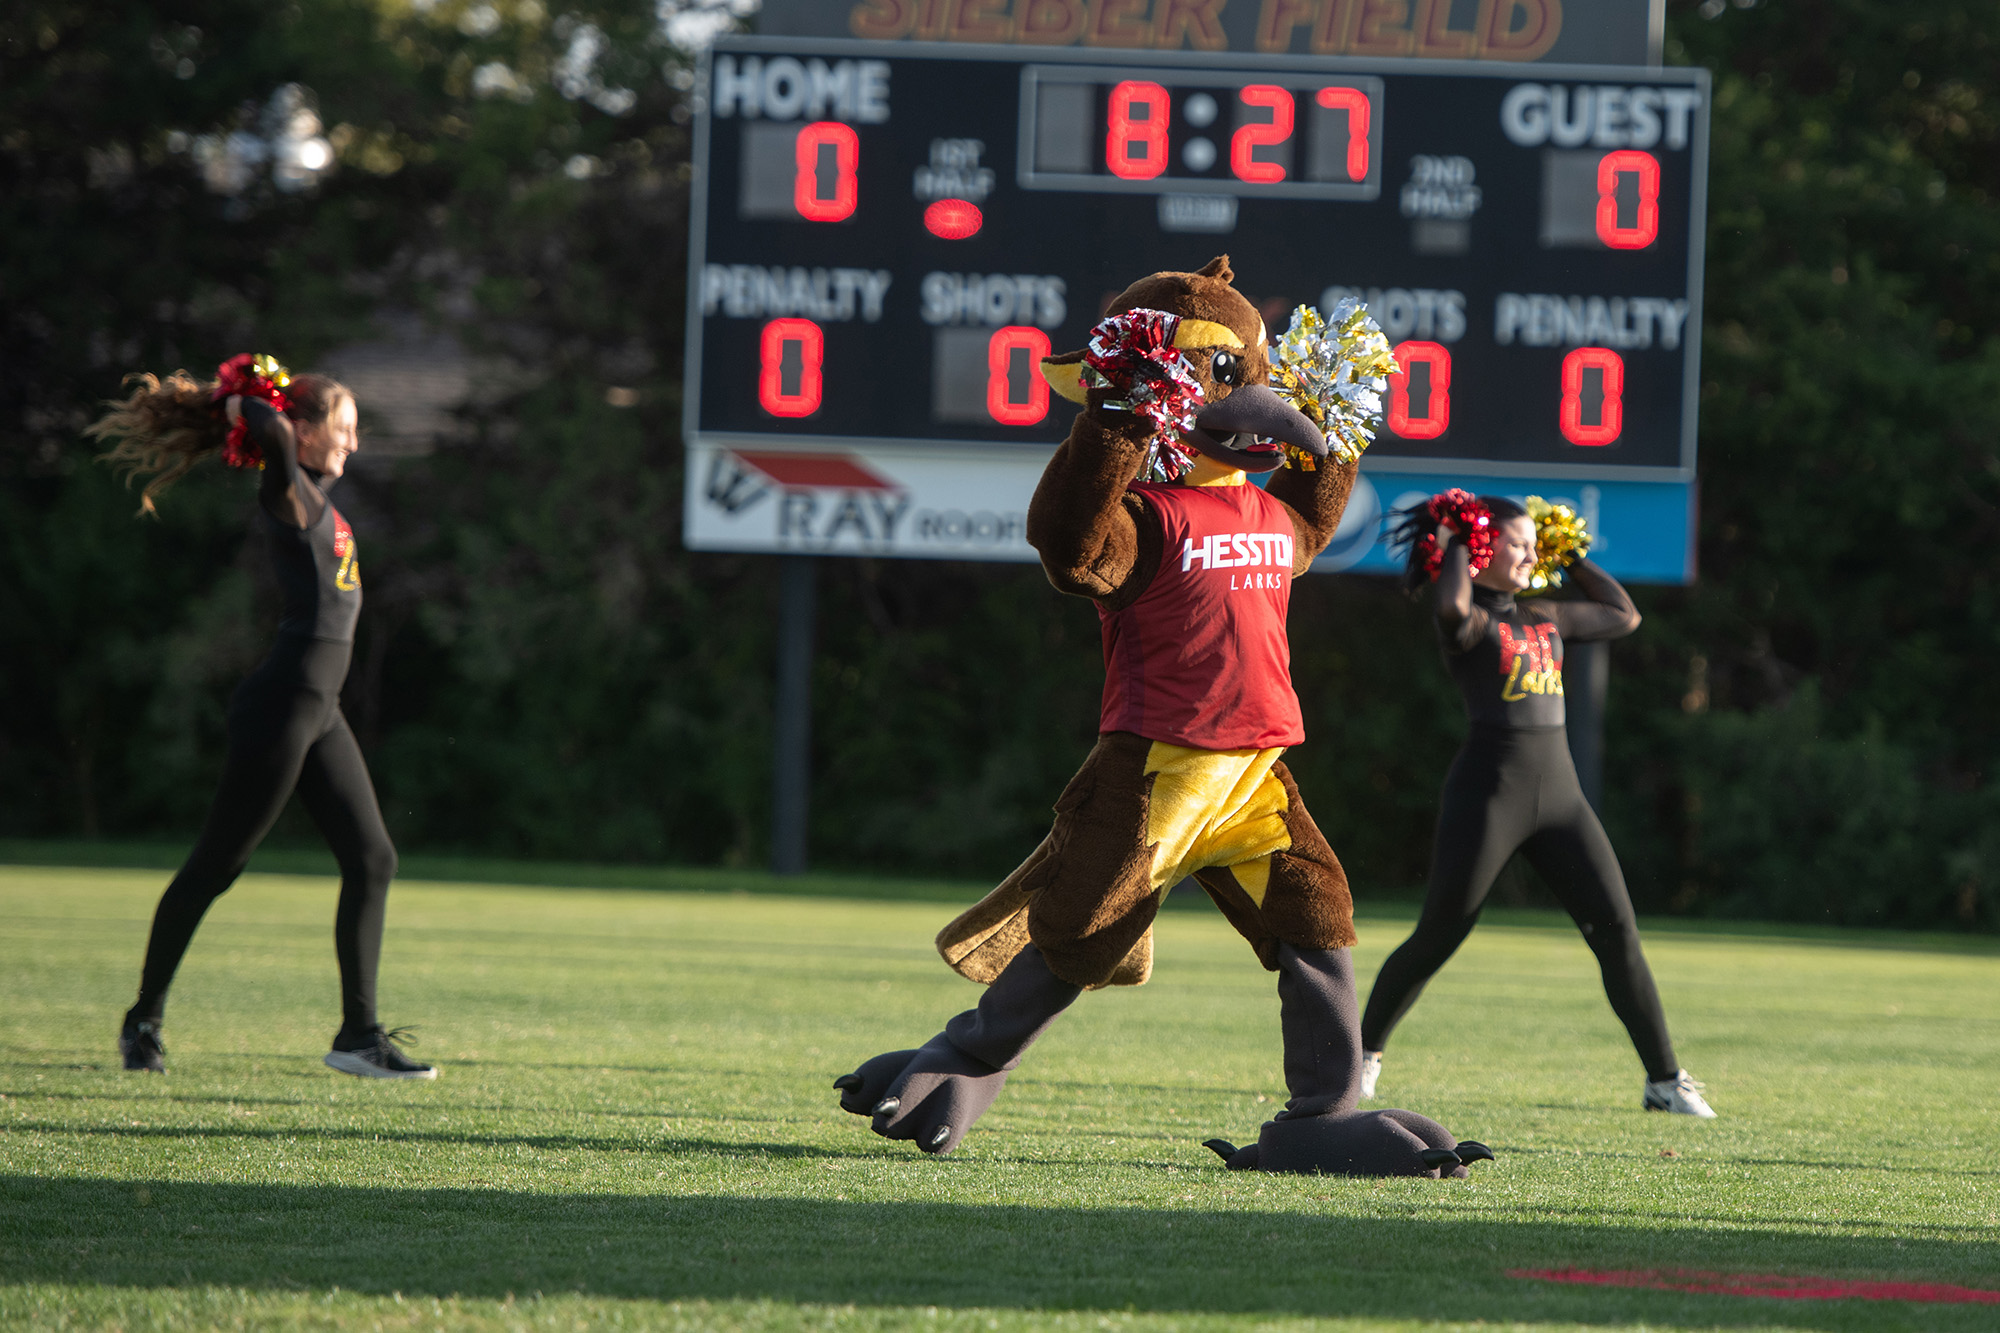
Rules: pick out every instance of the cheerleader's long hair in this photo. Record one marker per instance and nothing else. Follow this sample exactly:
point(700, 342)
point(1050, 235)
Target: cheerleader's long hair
point(165, 427)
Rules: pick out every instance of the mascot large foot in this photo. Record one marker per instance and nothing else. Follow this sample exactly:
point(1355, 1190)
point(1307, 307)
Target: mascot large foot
point(1356, 1143)
point(934, 1094)
point(931, 1095)
point(1319, 1132)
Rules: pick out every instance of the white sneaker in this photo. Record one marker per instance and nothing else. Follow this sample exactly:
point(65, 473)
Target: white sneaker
point(1371, 1069)
point(1680, 1095)
point(375, 1055)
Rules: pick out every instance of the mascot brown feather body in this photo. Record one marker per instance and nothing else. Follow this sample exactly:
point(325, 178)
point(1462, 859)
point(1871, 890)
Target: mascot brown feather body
point(1191, 581)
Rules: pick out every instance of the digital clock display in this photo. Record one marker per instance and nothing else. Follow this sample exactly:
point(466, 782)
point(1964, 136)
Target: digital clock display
point(1282, 135)
point(888, 239)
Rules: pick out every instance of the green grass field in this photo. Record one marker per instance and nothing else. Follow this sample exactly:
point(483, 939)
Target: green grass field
point(634, 1127)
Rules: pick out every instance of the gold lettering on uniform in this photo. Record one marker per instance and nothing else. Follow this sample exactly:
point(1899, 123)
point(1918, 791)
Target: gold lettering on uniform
point(1529, 663)
point(349, 573)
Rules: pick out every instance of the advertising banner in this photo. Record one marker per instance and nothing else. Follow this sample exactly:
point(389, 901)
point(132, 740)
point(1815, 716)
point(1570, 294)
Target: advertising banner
point(909, 503)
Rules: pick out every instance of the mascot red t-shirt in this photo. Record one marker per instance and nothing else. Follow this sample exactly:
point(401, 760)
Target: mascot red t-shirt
point(1201, 659)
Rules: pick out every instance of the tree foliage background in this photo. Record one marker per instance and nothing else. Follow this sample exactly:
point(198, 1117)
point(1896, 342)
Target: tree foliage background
point(544, 671)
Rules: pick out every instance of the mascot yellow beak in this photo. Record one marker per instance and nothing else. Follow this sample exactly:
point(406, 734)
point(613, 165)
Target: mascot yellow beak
point(1206, 333)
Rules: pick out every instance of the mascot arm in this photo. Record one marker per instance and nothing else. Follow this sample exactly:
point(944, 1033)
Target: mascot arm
point(1316, 500)
point(1096, 539)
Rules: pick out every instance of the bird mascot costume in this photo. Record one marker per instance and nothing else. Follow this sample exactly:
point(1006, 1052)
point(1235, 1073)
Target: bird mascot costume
point(1146, 510)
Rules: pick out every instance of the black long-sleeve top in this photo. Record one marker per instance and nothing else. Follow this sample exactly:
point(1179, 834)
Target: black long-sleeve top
point(1506, 655)
point(312, 548)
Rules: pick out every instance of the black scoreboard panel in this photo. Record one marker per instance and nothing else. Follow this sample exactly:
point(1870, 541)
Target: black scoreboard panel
point(888, 238)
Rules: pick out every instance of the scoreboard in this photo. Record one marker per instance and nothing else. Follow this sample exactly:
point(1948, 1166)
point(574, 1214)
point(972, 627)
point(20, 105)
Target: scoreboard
point(887, 238)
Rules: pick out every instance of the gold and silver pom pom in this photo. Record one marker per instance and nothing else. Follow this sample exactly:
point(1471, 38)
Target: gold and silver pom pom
point(1334, 369)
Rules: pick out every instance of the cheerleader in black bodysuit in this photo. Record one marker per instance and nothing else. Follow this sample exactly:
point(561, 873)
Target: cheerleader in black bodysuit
point(1513, 788)
point(286, 731)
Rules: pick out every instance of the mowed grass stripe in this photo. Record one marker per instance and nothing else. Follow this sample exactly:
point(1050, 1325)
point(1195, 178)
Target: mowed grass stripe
point(635, 1120)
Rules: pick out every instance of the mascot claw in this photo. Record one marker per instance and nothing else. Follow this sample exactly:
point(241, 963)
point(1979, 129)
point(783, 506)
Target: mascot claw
point(863, 1090)
point(930, 1096)
point(1233, 1157)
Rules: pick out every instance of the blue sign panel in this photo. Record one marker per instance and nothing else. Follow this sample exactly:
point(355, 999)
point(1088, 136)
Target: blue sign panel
point(1643, 531)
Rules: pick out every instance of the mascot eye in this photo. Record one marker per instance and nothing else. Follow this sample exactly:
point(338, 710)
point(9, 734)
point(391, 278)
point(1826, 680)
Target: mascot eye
point(1227, 367)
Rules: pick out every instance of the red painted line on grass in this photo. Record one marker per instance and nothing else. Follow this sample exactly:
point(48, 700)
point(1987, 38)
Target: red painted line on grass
point(1765, 1284)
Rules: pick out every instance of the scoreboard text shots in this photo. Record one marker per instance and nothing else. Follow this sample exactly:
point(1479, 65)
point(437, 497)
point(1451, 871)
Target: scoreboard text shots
point(888, 239)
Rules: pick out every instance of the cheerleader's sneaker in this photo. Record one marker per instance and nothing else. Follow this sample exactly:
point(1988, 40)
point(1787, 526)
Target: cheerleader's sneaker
point(1679, 1095)
point(376, 1054)
point(1371, 1070)
point(139, 1045)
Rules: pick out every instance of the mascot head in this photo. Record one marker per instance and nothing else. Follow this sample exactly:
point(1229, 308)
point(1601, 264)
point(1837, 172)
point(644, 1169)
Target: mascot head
point(1242, 422)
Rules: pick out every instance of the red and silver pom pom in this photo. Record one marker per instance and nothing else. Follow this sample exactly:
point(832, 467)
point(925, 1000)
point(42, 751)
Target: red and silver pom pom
point(1133, 355)
point(1460, 511)
point(249, 375)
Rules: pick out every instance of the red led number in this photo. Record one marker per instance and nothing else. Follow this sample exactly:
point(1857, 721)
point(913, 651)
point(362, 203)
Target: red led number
point(1420, 393)
point(788, 378)
point(1646, 223)
point(1593, 387)
point(818, 198)
point(1248, 138)
point(1016, 393)
point(1355, 103)
point(1135, 142)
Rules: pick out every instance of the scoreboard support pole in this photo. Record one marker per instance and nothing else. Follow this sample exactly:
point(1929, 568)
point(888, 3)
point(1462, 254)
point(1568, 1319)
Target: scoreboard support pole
point(1586, 680)
point(791, 760)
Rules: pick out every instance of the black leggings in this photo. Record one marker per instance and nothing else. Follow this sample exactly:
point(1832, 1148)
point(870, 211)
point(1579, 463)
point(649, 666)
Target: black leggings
point(1516, 790)
point(286, 732)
